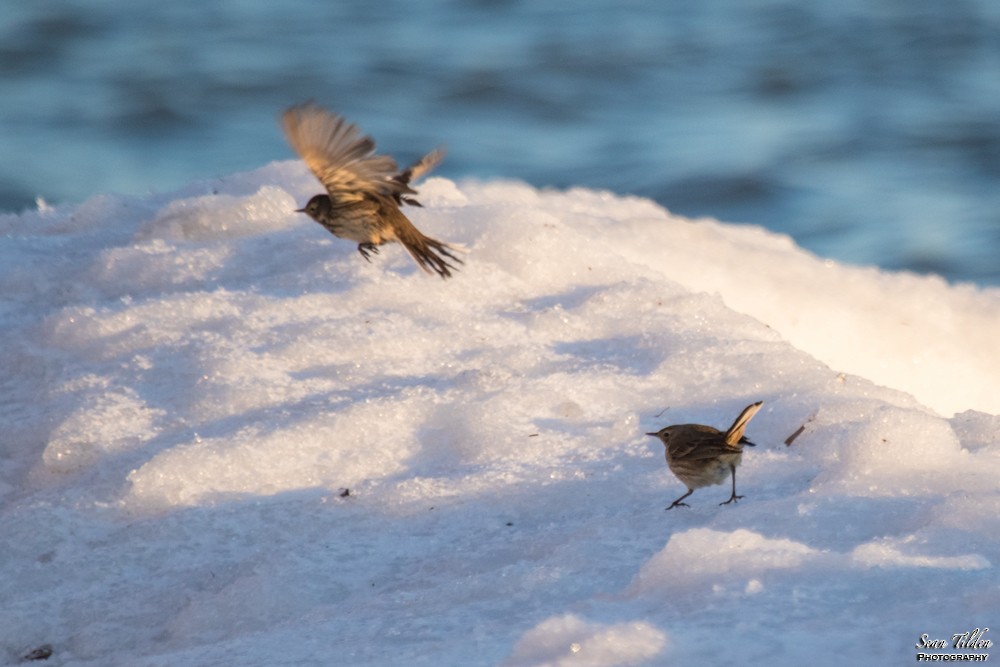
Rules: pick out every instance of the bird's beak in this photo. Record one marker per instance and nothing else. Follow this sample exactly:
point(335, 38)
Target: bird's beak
point(655, 435)
point(300, 210)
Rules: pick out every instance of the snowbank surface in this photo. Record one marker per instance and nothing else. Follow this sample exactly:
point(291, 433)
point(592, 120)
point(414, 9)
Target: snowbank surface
point(228, 440)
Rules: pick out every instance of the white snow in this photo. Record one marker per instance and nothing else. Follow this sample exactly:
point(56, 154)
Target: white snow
point(229, 440)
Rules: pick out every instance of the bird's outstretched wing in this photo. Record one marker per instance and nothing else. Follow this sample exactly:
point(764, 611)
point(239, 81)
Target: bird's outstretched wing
point(341, 158)
point(415, 172)
point(418, 169)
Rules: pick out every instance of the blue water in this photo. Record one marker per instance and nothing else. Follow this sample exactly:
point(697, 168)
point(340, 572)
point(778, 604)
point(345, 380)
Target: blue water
point(869, 130)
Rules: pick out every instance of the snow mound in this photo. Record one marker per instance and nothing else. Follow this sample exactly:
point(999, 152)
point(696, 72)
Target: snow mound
point(703, 555)
point(230, 440)
point(569, 641)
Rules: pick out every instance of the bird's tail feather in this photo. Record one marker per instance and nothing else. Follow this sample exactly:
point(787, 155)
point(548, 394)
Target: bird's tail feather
point(735, 432)
point(431, 255)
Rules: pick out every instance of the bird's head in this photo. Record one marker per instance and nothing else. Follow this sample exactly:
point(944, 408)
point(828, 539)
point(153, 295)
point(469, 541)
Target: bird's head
point(663, 434)
point(318, 207)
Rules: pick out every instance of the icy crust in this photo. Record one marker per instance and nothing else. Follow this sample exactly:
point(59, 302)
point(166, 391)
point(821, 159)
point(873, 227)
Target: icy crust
point(230, 440)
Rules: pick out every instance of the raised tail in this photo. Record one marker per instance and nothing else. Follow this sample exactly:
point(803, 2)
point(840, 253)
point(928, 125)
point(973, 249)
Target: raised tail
point(734, 435)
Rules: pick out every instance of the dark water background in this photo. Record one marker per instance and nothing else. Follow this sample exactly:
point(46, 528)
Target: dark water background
point(869, 130)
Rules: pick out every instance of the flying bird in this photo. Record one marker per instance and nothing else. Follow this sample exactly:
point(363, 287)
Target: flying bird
point(364, 191)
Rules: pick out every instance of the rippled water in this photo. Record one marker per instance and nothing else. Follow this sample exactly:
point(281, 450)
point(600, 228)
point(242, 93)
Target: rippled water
point(868, 130)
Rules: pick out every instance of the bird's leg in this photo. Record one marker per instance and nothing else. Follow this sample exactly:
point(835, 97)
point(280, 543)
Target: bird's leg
point(733, 497)
point(678, 503)
point(367, 249)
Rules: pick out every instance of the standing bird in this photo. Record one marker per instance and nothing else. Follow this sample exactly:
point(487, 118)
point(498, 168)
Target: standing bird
point(363, 190)
point(701, 455)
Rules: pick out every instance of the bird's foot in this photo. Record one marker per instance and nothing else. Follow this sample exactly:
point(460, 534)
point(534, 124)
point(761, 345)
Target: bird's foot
point(677, 503)
point(732, 499)
point(367, 250)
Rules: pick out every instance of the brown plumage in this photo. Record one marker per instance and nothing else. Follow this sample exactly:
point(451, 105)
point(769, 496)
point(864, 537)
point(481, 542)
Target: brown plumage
point(364, 191)
point(702, 456)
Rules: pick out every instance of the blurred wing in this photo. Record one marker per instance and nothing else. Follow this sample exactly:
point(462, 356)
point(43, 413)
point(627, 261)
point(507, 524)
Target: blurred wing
point(340, 157)
point(422, 166)
point(416, 171)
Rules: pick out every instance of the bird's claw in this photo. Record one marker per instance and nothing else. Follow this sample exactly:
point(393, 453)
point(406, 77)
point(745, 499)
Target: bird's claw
point(677, 503)
point(733, 498)
point(367, 250)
